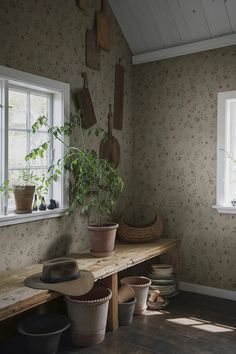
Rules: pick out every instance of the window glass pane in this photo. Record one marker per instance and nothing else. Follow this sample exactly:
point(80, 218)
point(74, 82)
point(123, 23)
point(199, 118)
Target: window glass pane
point(13, 176)
point(38, 107)
point(36, 140)
point(41, 173)
point(17, 149)
point(232, 159)
point(17, 109)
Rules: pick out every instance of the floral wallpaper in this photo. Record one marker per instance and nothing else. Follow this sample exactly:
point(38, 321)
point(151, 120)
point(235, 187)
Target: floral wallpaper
point(168, 141)
point(48, 38)
point(175, 112)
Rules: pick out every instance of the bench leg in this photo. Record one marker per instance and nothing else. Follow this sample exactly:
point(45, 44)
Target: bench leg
point(111, 282)
point(172, 257)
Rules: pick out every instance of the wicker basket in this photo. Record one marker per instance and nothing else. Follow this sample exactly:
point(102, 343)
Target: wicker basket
point(140, 234)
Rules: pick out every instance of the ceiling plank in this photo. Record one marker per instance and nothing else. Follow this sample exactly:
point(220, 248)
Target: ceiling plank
point(231, 9)
point(117, 11)
point(147, 24)
point(133, 24)
point(179, 20)
point(195, 19)
point(217, 17)
point(165, 22)
point(212, 43)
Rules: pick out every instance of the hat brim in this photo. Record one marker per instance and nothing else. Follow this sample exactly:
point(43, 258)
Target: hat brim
point(77, 287)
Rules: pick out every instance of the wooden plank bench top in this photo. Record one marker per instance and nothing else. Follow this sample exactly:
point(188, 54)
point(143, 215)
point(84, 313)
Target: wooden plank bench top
point(16, 298)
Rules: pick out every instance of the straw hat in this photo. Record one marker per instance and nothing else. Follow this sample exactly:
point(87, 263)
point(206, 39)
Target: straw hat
point(62, 275)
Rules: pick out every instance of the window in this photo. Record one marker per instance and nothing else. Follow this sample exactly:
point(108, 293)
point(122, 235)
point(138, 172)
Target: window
point(23, 98)
point(226, 152)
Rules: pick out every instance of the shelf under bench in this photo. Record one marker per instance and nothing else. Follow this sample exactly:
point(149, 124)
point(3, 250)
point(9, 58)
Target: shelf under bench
point(16, 298)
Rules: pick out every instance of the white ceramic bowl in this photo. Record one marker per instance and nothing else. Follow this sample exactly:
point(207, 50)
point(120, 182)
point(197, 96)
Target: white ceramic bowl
point(162, 270)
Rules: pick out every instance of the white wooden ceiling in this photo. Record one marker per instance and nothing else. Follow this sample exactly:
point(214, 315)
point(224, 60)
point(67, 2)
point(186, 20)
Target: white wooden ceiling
point(164, 28)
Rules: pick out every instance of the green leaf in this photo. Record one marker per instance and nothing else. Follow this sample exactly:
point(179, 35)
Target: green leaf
point(45, 146)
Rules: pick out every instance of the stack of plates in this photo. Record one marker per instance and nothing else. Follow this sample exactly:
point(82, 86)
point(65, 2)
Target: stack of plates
point(163, 279)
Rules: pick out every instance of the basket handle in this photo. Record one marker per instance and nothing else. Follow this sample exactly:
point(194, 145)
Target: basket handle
point(145, 205)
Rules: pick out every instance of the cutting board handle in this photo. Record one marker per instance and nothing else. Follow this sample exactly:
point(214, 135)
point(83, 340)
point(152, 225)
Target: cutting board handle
point(110, 121)
point(84, 76)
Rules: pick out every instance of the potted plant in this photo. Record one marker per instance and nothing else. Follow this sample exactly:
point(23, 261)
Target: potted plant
point(95, 185)
point(24, 192)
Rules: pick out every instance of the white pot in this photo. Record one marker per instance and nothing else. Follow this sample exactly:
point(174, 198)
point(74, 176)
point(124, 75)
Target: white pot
point(140, 286)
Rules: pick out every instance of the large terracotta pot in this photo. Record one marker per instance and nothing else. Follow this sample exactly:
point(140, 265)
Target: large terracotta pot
point(102, 239)
point(88, 314)
point(23, 199)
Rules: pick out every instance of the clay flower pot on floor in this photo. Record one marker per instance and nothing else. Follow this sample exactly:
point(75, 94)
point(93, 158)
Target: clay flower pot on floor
point(102, 239)
point(126, 311)
point(125, 293)
point(88, 314)
point(140, 286)
point(43, 332)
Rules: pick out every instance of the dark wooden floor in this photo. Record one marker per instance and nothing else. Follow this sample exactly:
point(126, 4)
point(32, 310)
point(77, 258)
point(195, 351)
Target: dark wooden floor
point(192, 324)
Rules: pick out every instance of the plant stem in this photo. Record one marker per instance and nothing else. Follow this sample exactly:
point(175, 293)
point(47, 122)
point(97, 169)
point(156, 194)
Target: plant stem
point(82, 136)
point(56, 137)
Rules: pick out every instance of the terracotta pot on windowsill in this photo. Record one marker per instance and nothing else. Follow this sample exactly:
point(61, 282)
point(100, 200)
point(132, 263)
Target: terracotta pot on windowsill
point(102, 239)
point(23, 199)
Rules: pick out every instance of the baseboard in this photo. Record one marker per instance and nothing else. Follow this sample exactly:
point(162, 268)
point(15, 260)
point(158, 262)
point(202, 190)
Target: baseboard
point(206, 290)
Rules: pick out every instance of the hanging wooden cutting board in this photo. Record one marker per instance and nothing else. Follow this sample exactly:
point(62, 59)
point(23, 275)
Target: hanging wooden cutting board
point(103, 27)
point(118, 96)
point(92, 50)
point(110, 148)
point(85, 102)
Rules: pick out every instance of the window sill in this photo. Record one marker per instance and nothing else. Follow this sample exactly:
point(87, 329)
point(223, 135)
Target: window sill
point(225, 209)
point(12, 219)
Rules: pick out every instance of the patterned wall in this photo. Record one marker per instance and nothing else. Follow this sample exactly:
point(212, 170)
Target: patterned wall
point(175, 112)
point(174, 152)
point(48, 38)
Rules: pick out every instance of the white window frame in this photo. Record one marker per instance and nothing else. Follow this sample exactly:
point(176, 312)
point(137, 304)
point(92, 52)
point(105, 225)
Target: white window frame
point(223, 146)
point(61, 112)
point(28, 129)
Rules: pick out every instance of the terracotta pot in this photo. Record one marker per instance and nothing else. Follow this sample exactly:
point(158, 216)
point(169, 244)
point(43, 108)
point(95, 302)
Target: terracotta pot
point(125, 293)
point(43, 332)
point(140, 286)
point(23, 199)
point(126, 311)
point(88, 314)
point(102, 239)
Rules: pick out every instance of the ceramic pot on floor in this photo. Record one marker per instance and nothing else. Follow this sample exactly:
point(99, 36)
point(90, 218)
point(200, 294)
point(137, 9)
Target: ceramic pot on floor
point(102, 239)
point(88, 314)
point(125, 293)
point(126, 311)
point(43, 332)
point(140, 286)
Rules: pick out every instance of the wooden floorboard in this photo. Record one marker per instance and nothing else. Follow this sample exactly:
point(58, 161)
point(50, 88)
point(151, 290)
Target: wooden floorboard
point(180, 329)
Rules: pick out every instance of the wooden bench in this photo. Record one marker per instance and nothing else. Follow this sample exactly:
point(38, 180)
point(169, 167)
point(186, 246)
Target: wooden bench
point(16, 298)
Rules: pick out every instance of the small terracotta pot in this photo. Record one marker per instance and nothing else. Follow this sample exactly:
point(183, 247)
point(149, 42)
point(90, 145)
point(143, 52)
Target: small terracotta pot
point(23, 199)
point(125, 293)
point(102, 239)
point(140, 286)
point(88, 314)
